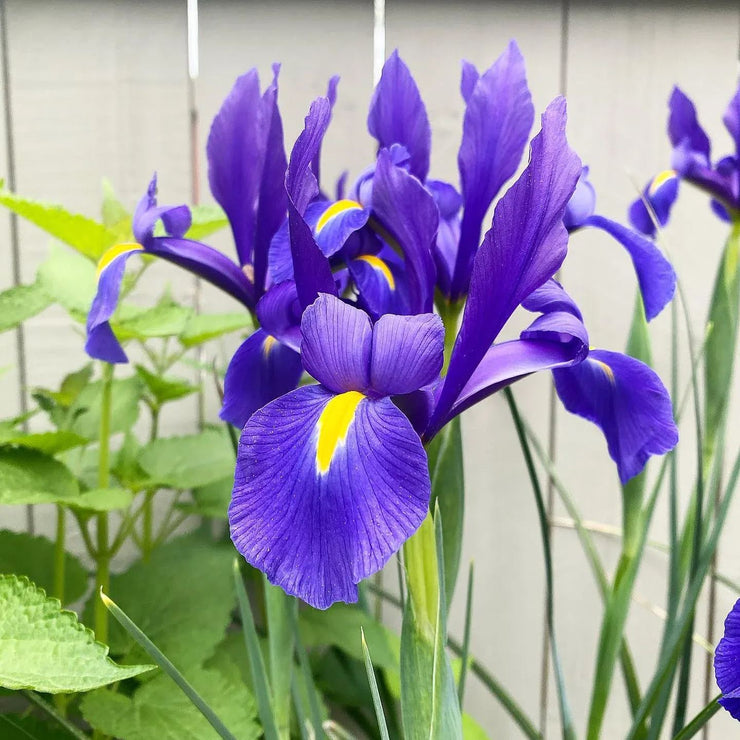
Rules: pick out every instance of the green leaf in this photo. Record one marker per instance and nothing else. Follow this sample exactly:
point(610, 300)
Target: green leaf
point(20, 303)
point(164, 389)
point(113, 211)
point(340, 626)
point(428, 696)
point(638, 343)
point(33, 557)
point(46, 649)
point(471, 730)
point(445, 456)
point(190, 461)
point(181, 598)
point(49, 442)
point(104, 499)
point(202, 327)
point(69, 279)
point(167, 319)
point(125, 395)
point(158, 710)
point(212, 499)
point(377, 703)
point(207, 219)
point(88, 237)
point(278, 608)
point(29, 727)
point(31, 477)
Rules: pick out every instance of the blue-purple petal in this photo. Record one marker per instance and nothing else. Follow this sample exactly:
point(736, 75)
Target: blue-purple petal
point(627, 400)
point(731, 119)
point(398, 116)
point(469, 76)
point(261, 370)
point(407, 353)
point(336, 346)
point(654, 272)
point(551, 296)
point(279, 313)
point(498, 119)
point(316, 531)
point(683, 125)
point(175, 219)
point(660, 194)
point(727, 663)
point(581, 204)
point(336, 223)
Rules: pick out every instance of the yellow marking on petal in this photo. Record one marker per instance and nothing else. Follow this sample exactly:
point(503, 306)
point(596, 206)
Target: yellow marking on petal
point(268, 345)
point(334, 210)
point(378, 264)
point(333, 425)
point(607, 371)
point(116, 251)
point(661, 179)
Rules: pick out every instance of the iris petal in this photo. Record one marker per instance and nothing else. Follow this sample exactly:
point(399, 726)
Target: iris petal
point(175, 219)
point(279, 314)
point(727, 663)
point(627, 400)
point(407, 353)
point(731, 119)
point(318, 534)
point(683, 125)
point(261, 370)
point(337, 341)
point(660, 193)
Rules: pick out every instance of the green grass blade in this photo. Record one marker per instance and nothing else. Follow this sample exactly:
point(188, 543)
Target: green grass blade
point(379, 713)
point(466, 638)
point(52, 712)
point(300, 710)
point(565, 715)
point(305, 668)
point(164, 663)
point(278, 606)
point(700, 720)
point(256, 663)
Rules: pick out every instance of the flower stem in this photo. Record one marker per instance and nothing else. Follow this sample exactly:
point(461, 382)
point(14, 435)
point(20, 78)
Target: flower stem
point(59, 553)
point(102, 576)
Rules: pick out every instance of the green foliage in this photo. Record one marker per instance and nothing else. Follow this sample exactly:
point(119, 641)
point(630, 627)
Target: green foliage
point(181, 598)
point(212, 500)
point(280, 612)
point(190, 461)
point(69, 280)
point(103, 499)
point(30, 477)
point(85, 410)
point(49, 442)
point(46, 649)
point(20, 303)
point(164, 389)
point(88, 237)
point(207, 219)
point(202, 327)
point(113, 212)
point(25, 555)
point(166, 319)
point(29, 727)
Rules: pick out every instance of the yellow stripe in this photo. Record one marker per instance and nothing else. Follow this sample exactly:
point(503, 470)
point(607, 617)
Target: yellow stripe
point(660, 179)
point(333, 425)
point(378, 264)
point(268, 344)
point(116, 251)
point(607, 370)
point(335, 209)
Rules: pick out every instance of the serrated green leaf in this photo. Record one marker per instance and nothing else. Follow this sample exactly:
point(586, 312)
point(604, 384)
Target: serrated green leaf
point(88, 237)
point(340, 626)
point(181, 598)
point(33, 557)
point(112, 210)
point(207, 219)
point(104, 499)
point(158, 710)
point(31, 477)
point(49, 442)
point(46, 649)
point(190, 461)
point(20, 303)
point(69, 279)
point(125, 395)
point(202, 327)
point(164, 389)
point(166, 319)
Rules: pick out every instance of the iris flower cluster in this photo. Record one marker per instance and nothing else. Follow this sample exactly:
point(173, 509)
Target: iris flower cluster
point(332, 477)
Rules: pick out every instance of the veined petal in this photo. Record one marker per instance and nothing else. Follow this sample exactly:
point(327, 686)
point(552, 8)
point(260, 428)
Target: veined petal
point(101, 342)
point(381, 283)
point(551, 296)
point(280, 254)
point(731, 119)
point(337, 222)
point(581, 204)
point(727, 663)
point(407, 353)
point(261, 370)
point(279, 314)
point(336, 346)
point(498, 119)
point(627, 400)
point(524, 247)
point(398, 116)
point(331, 96)
point(683, 125)
point(660, 193)
point(318, 525)
point(175, 219)
point(654, 272)
point(468, 79)
point(407, 215)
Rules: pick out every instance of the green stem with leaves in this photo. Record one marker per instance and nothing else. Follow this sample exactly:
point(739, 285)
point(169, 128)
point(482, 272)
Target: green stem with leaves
point(102, 575)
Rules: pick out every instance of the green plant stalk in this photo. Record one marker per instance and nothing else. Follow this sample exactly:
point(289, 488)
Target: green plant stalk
point(466, 638)
point(421, 575)
point(147, 520)
point(699, 720)
point(565, 715)
point(59, 553)
point(102, 555)
point(75, 732)
point(450, 315)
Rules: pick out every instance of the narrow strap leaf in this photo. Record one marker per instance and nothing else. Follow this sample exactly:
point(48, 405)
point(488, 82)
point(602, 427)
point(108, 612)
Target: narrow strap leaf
point(379, 713)
point(699, 720)
point(466, 637)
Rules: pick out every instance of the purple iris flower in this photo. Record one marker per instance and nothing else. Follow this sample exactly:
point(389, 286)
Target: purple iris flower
point(692, 161)
point(727, 663)
point(655, 274)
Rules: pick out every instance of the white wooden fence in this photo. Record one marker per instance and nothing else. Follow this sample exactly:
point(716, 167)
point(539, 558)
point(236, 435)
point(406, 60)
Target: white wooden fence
point(95, 89)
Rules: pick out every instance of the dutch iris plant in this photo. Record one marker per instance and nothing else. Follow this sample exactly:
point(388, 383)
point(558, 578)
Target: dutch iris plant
point(332, 477)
